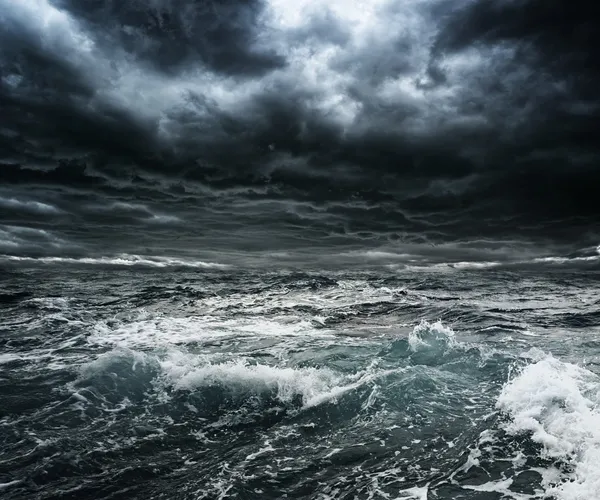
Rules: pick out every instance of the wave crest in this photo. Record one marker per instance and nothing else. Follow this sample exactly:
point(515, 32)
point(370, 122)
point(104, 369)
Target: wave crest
point(557, 404)
point(311, 384)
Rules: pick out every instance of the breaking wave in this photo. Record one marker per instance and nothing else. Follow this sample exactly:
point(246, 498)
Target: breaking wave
point(557, 405)
point(120, 260)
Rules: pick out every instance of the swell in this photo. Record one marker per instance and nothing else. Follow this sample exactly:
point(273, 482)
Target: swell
point(129, 401)
point(304, 383)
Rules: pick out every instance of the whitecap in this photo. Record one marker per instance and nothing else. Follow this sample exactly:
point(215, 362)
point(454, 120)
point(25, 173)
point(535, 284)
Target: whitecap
point(3, 486)
point(121, 260)
point(160, 330)
point(9, 357)
point(558, 404)
point(312, 384)
point(431, 336)
point(415, 493)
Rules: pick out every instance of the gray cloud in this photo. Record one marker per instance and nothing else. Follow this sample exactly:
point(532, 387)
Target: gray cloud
point(28, 206)
point(21, 239)
point(483, 108)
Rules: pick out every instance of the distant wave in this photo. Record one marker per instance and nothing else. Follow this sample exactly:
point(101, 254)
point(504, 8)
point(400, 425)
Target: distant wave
point(120, 260)
point(416, 263)
point(29, 245)
point(521, 264)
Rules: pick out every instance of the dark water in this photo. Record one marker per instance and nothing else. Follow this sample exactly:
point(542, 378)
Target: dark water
point(203, 384)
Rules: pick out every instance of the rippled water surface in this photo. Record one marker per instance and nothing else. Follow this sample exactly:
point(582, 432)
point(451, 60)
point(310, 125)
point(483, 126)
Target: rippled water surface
point(219, 383)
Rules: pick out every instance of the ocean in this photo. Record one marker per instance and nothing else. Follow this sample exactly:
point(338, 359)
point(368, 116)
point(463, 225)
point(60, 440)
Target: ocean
point(167, 379)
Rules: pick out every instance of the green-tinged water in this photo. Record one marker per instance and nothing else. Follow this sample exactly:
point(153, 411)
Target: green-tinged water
point(190, 385)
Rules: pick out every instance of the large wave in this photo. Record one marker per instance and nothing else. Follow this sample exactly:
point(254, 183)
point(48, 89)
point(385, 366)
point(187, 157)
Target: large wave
point(557, 405)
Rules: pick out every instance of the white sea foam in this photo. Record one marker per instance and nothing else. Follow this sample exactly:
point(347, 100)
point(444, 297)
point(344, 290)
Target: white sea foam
point(565, 260)
point(559, 405)
point(107, 361)
point(431, 336)
point(9, 357)
point(267, 448)
point(475, 265)
point(345, 293)
point(213, 316)
point(168, 330)
point(416, 493)
point(311, 384)
point(315, 386)
point(9, 484)
point(501, 486)
point(186, 372)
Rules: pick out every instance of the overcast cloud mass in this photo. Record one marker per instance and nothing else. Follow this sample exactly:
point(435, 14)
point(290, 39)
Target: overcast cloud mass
point(454, 130)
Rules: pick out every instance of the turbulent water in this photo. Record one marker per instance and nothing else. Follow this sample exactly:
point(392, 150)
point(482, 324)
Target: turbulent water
point(198, 383)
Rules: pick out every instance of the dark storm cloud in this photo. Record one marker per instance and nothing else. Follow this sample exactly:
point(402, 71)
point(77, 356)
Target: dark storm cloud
point(119, 212)
point(33, 241)
point(547, 150)
point(47, 93)
point(11, 203)
point(563, 33)
point(68, 173)
point(480, 107)
point(554, 42)
point(171, 33)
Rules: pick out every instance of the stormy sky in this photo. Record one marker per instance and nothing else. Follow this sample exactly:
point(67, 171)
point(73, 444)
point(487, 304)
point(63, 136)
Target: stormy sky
point(454, 129)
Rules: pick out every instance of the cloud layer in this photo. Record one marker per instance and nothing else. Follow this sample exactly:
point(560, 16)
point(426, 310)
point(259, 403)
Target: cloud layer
point(469, 116)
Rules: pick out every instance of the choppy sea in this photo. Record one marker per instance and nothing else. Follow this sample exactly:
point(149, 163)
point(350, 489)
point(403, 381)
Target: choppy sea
point(175, 382)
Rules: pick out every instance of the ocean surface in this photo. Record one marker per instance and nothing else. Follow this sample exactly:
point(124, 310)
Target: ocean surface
point(163, 379)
